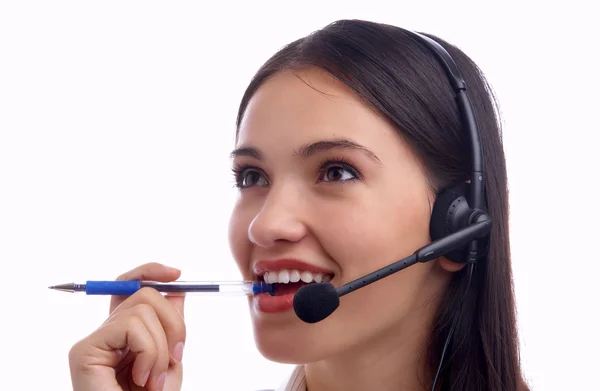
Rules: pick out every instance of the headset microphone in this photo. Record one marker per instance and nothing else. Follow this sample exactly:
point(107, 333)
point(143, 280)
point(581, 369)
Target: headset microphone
point(315, 302)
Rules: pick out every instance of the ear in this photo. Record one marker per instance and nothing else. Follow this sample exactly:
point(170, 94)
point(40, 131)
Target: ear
point(451, 266)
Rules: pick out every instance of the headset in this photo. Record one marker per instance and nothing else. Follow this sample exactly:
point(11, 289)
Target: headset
point(450, 209)
point(459, 226)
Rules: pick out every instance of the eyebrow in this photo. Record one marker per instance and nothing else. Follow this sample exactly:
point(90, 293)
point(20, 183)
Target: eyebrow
point(311, 149)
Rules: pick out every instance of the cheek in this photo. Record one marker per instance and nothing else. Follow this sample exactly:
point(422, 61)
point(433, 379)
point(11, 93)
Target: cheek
point(365, 238)
point(239, 244)
point(370, 235)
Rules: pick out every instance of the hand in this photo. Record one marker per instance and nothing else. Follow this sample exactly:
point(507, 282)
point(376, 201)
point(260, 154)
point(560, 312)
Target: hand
point(140, 345)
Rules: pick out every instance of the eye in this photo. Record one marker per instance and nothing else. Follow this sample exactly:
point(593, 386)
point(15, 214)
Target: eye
point(338, 171)
point(248, 177)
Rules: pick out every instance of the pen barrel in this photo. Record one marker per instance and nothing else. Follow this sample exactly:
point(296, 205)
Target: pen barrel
point(116, 288)
point(176, 288)
point(209, 288)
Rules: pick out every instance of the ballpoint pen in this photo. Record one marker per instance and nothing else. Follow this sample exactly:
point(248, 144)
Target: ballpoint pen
point(129, 287)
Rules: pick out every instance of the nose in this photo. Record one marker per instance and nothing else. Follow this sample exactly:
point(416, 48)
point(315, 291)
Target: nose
point(279, 220)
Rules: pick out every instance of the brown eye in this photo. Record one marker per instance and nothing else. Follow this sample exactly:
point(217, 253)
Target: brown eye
point(338, 173)
point(252, 178)
point(248, 177)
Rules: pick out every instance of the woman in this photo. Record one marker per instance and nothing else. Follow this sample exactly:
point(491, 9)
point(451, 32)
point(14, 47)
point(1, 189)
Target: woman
point(344, 140)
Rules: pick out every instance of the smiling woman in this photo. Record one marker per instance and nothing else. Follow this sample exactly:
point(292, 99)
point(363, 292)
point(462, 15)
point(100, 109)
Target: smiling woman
point(347, 141)
point(338, 209)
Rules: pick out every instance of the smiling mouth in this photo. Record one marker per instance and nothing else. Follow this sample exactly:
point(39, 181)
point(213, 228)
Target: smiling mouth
point(288, 281)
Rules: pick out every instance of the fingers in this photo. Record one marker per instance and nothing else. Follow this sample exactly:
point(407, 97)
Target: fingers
point(140, 331)
point(146, 328)
point(150, 271)
point(170, 319)
point(177, 302)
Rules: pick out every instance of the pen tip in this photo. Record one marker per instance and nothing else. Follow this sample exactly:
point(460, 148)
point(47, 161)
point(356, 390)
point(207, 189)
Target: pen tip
point(63, 287)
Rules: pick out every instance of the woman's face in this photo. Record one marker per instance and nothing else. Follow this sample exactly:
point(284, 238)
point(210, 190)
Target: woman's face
point(328, 190)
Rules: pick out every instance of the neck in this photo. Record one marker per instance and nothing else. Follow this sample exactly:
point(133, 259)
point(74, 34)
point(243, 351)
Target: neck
point(393, 361)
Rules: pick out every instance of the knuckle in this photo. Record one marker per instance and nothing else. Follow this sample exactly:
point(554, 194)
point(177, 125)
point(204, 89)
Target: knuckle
point(148, 294)
point(144, 310)
point(75, 352)
point(79, 358)
point(146, 346)
point(151, 352)
point(133, 323)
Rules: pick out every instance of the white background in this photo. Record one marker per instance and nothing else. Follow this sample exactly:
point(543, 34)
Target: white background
point(116, 121)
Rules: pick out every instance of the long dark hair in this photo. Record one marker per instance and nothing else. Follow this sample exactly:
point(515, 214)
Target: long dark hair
point(396, 75)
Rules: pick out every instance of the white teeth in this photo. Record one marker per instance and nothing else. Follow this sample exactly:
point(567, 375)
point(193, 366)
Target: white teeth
point(306, 277)
point(271, 278)
point(294, 276)
point(286, 276)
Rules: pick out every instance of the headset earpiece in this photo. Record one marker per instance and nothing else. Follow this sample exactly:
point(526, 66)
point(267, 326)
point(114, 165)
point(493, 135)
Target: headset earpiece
point(452, 212)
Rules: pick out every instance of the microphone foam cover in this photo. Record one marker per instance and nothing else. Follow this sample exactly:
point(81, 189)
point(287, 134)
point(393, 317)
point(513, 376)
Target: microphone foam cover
point(315, 302)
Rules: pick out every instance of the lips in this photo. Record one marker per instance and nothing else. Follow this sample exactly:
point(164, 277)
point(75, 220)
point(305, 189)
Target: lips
point(288, 275)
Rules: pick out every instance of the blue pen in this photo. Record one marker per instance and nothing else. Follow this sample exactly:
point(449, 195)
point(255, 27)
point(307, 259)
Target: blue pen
point(126, 288)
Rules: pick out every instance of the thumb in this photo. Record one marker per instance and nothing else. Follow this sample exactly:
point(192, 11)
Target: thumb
point(149, 271)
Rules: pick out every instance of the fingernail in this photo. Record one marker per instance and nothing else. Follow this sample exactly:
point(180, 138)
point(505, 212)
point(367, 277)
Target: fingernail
point(178, 351)
point(160, 382)
point(173, 268)
point(145, 379)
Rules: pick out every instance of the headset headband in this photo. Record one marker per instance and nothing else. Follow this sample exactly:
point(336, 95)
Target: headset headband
point(459, 86)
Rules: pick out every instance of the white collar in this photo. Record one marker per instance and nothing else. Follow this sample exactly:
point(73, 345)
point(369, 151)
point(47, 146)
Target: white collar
point(296, 381)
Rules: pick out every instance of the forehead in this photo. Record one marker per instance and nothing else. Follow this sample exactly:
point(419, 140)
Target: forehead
point(310, 105)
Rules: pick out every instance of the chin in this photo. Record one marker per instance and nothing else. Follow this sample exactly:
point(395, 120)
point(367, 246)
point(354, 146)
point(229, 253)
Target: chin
point(288, 341)
point(285, 339)
point(287, 353)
